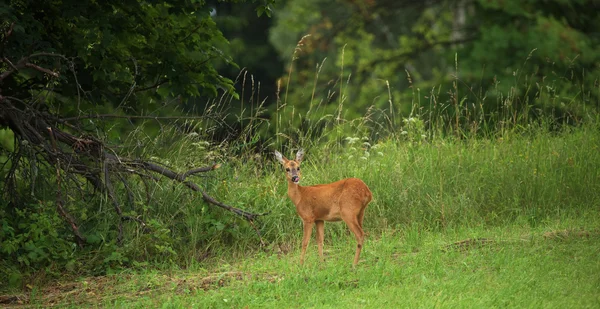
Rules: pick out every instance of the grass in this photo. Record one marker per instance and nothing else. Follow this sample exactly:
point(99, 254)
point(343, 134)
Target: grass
point(510, 221)
point(505, 222)
point(549, 266)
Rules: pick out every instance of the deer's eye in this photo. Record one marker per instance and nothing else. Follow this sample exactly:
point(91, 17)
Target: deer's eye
point(298, 168)
point(287, 169)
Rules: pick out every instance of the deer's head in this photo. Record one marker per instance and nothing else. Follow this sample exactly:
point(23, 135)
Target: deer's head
point(292, 167)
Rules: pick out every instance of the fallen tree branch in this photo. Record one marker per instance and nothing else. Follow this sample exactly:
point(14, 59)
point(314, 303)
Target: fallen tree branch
point(96, 162)
point(177, 177)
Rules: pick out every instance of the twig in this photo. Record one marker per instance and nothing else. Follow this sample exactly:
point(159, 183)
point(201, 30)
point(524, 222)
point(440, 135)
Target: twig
point(5, 38)
point(262, 243)
point(113, 198)
point(24, 63)
point(10, 64)
point(130, 197)
point(246, 215)
point(59, 200)
point(156, 85)
point(183, 176)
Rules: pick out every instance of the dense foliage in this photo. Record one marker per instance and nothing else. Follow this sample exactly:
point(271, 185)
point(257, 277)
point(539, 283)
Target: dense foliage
point(119, 50)
point(543, 53)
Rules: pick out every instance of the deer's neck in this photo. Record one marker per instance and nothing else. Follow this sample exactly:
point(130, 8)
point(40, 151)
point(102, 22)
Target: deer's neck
point(294, 192)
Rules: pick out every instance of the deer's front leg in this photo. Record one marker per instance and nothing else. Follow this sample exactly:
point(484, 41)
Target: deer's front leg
point(307, 232)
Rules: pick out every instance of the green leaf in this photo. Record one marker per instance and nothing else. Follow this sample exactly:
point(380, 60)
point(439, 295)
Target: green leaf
point(260, 10)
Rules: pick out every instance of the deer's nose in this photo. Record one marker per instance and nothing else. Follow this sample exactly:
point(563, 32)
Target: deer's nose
point(295, 179)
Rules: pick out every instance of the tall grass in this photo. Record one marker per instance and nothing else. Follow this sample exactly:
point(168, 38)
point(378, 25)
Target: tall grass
point(441, 166)
point(421, 180)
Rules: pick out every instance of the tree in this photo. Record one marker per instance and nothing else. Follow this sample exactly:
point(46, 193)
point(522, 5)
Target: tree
point(119, 50)
point(246, 33)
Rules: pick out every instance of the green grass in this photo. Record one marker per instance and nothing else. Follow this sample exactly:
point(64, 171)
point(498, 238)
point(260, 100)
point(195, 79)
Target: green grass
point(550, 266)
point(478, 223)
point(528, 204)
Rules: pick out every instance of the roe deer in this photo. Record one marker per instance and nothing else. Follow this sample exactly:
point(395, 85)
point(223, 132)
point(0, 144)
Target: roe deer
point(345, 200)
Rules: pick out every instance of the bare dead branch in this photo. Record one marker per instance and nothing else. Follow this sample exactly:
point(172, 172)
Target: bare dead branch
point(111, 195)
point(96, 162)
point(10, 64)
point(105, 116)
point(130, 197)
point(247, 215)
point(175, 176)
point(39, 68)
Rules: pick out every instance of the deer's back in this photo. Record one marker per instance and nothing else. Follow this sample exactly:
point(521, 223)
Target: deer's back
point(325, 201)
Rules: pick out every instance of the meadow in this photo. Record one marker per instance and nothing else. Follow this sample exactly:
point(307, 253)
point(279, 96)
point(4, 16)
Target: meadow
point(509, 221)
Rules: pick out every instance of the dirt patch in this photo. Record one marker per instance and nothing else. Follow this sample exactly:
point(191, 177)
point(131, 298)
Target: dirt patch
point(468, 244)
point(570, 234)
point(12, 300)
point(98, 290)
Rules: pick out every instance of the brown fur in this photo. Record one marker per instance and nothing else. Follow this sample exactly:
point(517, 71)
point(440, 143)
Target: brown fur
point(344, 199)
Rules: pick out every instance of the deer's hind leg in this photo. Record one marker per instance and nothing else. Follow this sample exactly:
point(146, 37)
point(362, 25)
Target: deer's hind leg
point(356, 227)
point(320, 237)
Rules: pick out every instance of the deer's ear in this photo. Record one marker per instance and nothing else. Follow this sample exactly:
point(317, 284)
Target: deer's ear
point(300, 155)
point(279, 157)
